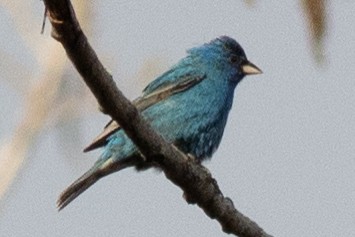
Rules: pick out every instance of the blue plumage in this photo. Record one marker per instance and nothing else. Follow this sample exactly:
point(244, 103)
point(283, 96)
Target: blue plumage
point(188, 105)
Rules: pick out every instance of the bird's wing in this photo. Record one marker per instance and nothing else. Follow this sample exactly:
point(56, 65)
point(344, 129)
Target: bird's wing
point(145, 101)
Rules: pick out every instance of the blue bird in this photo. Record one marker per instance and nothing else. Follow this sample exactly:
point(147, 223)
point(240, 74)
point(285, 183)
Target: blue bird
point(188, 105)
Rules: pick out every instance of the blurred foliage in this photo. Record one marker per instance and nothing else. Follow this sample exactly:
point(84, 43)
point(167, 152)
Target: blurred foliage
point(315, 11)
point(250, 2)
point(42, 91)
point(315, 14)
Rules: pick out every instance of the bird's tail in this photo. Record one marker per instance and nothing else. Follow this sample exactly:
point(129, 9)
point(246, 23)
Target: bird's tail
point(99, 170)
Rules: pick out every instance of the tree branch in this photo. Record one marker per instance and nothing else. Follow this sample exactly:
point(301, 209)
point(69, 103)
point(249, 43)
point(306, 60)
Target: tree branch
point(195, 180)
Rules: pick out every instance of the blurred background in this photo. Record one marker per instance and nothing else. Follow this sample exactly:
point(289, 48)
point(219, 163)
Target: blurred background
point(287, 157)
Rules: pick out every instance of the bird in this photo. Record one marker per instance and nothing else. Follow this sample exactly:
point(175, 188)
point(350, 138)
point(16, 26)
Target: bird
point(188, 106)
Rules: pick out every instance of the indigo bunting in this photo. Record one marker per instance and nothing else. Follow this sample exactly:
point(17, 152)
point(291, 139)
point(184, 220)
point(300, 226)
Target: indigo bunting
point(188, 105)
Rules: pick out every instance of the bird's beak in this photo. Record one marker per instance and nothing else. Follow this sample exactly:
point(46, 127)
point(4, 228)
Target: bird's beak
point(250, 69)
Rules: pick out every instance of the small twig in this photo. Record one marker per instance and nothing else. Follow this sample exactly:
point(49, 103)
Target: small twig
point(44, 20)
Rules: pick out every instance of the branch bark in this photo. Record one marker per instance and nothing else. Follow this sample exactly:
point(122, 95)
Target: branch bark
point(195, 180)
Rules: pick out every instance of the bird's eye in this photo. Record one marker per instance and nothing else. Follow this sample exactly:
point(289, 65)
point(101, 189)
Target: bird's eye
point(233, 59)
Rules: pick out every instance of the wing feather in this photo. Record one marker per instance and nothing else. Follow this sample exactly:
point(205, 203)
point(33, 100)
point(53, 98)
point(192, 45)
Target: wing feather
point(144, 102)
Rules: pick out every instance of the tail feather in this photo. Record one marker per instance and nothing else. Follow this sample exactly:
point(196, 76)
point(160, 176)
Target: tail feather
point(98, 171)
point(76, 188)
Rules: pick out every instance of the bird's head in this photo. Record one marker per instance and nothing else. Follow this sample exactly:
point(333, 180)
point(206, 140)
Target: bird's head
point(226, 54)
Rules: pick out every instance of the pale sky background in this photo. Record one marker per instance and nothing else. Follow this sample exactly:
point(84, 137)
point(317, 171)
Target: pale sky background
point(287, 158)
